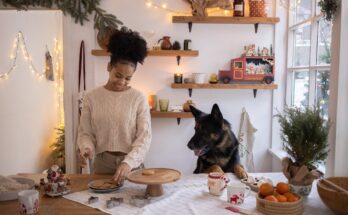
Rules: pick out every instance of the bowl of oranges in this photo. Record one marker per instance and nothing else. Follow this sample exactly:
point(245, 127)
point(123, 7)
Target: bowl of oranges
point(278, 200)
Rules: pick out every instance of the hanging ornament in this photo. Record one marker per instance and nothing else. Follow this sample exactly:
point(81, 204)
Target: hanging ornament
point(48, 66)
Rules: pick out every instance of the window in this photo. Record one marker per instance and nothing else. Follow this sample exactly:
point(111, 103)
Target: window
point(309, 56)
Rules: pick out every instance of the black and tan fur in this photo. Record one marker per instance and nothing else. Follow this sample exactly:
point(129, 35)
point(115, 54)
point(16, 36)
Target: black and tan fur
point(215, 144)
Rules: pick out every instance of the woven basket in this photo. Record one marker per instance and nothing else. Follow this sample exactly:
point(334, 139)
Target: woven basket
point(257, 8)
point(279, 208)
point(336, 201)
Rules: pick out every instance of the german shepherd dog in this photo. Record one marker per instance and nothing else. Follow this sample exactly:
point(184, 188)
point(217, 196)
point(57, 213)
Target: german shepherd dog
point(215, 144)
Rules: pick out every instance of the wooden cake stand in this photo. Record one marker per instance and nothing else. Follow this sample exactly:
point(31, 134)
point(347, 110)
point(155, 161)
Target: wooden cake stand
point(154, 181)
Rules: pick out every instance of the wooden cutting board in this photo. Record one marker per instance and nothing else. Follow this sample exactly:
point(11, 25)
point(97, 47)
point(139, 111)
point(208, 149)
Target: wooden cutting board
point(160, 176)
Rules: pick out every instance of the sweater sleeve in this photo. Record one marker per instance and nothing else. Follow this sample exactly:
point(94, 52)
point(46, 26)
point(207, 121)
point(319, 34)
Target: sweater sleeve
point(142, 142)
point(86, 137)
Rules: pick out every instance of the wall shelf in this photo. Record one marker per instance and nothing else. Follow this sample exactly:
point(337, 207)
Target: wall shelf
point(177, 115)
point(225, 20)
point(254, 87)
point(159, 53)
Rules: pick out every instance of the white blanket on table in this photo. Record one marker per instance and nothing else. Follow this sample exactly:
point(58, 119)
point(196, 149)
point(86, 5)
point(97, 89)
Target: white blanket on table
point(187, 196)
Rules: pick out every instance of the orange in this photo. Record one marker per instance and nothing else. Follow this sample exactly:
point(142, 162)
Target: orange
point(293, 198)
point(266, 189)
point(282, 187)
point(281, 198)
point(271, 198)
point(288, 194)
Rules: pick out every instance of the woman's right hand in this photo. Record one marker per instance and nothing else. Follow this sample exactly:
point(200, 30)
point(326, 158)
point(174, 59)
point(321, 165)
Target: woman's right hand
point(85, 154)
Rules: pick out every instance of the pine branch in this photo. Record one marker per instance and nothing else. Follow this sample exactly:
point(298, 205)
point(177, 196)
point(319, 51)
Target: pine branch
point(79, 10)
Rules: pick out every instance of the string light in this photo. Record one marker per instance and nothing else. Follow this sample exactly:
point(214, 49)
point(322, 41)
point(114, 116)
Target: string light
point(163, 6)
point(59, 82)
point(20, 41)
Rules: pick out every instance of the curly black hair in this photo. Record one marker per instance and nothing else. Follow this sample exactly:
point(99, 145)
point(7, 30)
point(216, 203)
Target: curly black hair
point(127, 45)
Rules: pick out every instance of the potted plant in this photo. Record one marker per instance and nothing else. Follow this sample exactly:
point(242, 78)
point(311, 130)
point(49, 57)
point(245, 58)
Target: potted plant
point(304, 134)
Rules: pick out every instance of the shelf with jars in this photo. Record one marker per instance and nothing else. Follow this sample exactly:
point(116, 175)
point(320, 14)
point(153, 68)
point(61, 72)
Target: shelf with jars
point(225, 20)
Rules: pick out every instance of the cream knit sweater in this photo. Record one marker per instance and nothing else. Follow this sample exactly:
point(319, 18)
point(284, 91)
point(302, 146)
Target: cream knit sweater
point(116, 121)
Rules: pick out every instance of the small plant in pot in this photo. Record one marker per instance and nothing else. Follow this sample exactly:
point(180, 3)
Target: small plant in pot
point(304, 134)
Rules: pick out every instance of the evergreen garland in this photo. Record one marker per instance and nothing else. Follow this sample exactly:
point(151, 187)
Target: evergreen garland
point(304, 134)
point(77, 9)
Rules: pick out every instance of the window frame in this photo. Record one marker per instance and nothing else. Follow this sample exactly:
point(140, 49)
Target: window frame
point(313, 67)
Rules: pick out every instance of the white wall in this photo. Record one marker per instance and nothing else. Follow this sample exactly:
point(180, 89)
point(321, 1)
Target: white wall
point(217, 44)
point(28, 113)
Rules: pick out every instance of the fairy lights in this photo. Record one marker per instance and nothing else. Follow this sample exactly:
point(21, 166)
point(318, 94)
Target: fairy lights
point(163, 6)
point(59, 82)
point(19, 42)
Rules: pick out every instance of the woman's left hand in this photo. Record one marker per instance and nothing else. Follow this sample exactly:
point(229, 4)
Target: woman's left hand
point(121, 173)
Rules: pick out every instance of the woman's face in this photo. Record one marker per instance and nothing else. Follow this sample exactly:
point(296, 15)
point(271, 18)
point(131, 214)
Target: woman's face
point(120, 75)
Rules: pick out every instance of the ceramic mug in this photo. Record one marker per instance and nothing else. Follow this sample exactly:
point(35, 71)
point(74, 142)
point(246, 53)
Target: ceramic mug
point(28, 201)
point(217, 182)
point(236, 193)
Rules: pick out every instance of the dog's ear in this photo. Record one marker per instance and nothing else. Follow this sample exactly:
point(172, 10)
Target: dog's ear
point(216, 113)
point(196, 113)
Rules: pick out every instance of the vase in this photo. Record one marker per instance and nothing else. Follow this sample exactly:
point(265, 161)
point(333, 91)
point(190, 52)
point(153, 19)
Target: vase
point(166, 44)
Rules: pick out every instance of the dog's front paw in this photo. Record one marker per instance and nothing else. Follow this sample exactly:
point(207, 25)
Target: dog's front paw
point(240, 172)
point(214, 168)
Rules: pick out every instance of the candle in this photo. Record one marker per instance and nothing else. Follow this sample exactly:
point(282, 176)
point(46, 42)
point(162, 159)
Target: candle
point(152, 99)
point(178, 78)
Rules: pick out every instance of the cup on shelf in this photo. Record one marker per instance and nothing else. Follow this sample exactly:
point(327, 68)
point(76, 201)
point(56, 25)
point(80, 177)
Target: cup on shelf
point(199, 78)
point(163, 104)
point(28, 201)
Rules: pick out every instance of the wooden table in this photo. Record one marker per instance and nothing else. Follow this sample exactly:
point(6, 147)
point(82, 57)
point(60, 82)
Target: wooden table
point(57, 205)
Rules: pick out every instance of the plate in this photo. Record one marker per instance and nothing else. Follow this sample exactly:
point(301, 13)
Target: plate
point(103, 186)
point(12, 195)
point(58, 194)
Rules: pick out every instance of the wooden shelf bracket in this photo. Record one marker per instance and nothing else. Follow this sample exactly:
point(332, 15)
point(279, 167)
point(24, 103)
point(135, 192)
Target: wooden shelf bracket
point(178, 57)
point(255, 92)
point(256, 26)
point(190, 92)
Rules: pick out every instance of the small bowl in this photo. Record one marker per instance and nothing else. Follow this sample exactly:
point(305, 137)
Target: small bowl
point(335, 200)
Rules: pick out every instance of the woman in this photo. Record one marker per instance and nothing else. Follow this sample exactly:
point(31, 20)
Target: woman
point(115, 123)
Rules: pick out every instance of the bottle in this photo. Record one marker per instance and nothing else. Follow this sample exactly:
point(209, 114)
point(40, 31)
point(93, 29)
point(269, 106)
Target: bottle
point(238, 8)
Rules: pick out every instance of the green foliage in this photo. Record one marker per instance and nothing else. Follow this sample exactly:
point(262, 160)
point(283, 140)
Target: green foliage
point(328, 8)
point(304, 135)
point(77, 9)
point(59, 145)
